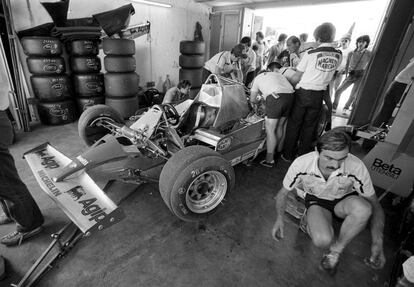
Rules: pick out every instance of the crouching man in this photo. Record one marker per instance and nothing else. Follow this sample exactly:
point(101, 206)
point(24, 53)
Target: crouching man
point(336, 183)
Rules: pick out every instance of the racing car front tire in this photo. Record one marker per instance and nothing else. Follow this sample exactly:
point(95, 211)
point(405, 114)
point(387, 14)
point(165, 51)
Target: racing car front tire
point(91, 133)
point(195, 181)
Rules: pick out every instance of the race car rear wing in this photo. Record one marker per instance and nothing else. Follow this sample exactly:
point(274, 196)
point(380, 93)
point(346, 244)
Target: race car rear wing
point(82, 200)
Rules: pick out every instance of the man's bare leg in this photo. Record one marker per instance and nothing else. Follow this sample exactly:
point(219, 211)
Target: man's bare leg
point(319, 225)
point(271, 140)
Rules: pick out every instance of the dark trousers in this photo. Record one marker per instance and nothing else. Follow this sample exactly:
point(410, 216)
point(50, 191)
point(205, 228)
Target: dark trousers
point(15, 199)
point(391, 99)
point(302, 122)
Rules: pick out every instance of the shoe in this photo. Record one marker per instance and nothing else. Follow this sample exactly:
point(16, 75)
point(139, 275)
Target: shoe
point(334, 111)
point(285, 159)
point(17, 237)
point(268, 164)
point(330, 261)
point(4, 219)
point(344, 112)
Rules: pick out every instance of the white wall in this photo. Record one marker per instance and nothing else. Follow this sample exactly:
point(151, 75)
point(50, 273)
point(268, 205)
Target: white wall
point(156, 57)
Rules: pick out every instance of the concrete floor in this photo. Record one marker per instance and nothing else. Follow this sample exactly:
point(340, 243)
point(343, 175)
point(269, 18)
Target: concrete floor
point(151, 247)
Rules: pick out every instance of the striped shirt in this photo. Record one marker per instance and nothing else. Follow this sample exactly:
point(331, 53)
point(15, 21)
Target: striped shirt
point(352, 176)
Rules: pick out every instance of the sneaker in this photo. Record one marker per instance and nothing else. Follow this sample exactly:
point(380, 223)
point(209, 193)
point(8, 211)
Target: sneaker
point(17, 237)
point(334, 111)
point(330, 261)
point(285, 159)
point(4, 219)
point(268, 164)
point(344, 112)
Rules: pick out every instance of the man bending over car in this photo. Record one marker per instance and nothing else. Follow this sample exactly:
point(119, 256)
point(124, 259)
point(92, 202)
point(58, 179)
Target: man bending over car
point(336, 184)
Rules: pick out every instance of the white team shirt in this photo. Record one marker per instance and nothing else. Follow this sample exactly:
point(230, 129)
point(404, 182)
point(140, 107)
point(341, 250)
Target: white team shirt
point(406, 74)
point(271, 82)
point(350, 177)
point(250, 61)
point(318, 66)
point(220, 61)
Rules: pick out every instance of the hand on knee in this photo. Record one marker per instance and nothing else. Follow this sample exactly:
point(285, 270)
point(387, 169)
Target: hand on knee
point(322, 240)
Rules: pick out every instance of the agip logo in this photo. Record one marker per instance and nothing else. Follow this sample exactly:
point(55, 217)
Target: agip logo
point(385, 169)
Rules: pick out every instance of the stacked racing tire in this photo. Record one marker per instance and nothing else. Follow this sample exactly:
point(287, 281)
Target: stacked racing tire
point(191, 62)
point(121, 81)
point(51, 85)
point(88, 82)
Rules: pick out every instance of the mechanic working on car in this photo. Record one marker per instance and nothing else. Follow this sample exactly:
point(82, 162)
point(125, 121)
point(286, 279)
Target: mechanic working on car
point(178, 94)
point(277, 94)
point(313, 74)
point(336, 184)
point(227, 63)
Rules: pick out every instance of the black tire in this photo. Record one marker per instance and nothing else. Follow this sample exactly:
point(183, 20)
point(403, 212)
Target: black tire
point(118, 47)
point(41, 46)
point(57, 113)
point(83, 48)
point(191, 61)
point(85, 103)
point(323, 121)
point(126, 107)
point(51, 88)
point(92, 133)
point(192, 48)
point(121, 84)
point(46, 66)
point(195, 76)
point(120, 64)
point(185, 166)
point(84, 65)
point(89, 85)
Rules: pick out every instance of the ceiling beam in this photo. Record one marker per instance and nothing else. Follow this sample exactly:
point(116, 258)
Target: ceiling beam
point(276, 4)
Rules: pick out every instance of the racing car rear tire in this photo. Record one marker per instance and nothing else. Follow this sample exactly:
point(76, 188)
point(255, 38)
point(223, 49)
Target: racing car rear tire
point(192, 47)
point(120, 64)
point(90, 134)
point(85, 64)
point(119, 47)
point(191, 61)
point(194, 182)
point(323, 121)
point(83, 48)
point(41, 46)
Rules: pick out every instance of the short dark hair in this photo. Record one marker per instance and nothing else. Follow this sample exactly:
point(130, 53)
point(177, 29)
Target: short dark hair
point(303, 37)
point(260, 34)
point(294, 39)
point(184, 84)
point(325, 32)
point(255, 47)
point(282, 37)
point(335, 140)
point(246, 40)
point(273, 65)
point(364, 38)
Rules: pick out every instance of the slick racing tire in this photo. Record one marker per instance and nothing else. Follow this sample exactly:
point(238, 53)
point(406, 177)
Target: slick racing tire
point(46, 66)
point(84, 65)
point(41, 46)
point(83, 48)
point(195, 181)
point(191, 61)
point(192, 48)
point(121, 84)
point(88, 85)
point(86, 103)
point(126, 107)
point(88, 129)
point(57, 113)
point(51, 88)
point(195, 76)
point(119, 64)
point(119, 47)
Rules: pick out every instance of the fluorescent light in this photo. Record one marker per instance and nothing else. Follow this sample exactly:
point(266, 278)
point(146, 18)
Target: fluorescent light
point(152, 3)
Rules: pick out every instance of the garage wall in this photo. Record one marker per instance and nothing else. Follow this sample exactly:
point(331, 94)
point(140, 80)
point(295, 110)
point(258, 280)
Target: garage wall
point(156, 56)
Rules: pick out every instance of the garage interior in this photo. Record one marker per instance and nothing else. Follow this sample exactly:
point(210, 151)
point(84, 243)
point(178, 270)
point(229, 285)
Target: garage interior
point(234, 246)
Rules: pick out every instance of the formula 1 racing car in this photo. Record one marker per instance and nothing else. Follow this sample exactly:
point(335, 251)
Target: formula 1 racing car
point(188, 148)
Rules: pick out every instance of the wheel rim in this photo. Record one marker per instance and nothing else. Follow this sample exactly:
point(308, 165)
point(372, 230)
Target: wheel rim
point(206, 191)
point(94, 131)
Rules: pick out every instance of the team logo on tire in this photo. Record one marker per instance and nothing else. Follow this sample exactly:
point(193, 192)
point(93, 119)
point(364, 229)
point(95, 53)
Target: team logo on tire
point(224, 144)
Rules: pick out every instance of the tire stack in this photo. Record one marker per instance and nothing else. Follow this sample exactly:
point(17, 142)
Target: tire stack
point(51, 85)
point(88, 82)
point(191, 62)
point(121, 81)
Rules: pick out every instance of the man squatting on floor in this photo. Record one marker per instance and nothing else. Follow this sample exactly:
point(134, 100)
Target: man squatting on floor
point(336, 183)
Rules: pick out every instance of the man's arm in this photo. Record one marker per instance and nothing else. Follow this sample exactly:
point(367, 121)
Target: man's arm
point(296, 78)
point(278, 227)
point(377, 232)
